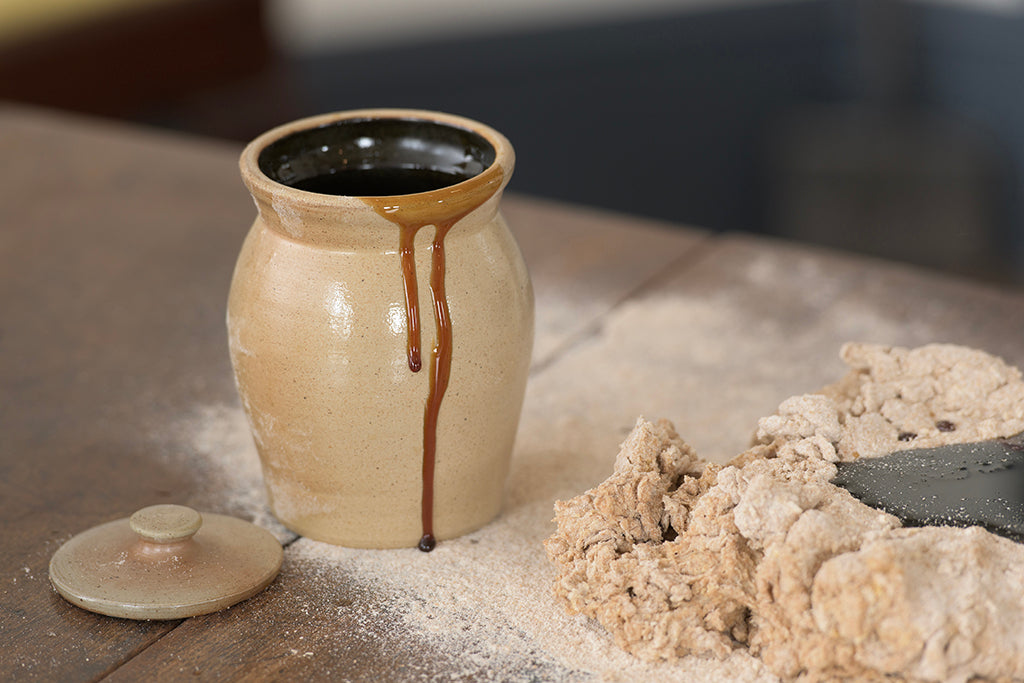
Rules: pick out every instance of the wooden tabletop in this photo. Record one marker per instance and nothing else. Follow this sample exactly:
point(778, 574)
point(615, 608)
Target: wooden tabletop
point(116, 251)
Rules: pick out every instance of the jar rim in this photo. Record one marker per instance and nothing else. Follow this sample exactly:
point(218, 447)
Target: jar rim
point(260, 182)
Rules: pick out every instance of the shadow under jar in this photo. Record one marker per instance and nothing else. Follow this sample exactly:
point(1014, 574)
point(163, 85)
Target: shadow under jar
point(380, 325)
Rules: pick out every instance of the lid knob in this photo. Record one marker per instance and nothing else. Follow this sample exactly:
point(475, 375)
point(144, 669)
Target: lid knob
point(166, 523)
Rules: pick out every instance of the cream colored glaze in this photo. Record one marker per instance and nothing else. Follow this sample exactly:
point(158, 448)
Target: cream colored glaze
point(165, 562)
point(318, 339)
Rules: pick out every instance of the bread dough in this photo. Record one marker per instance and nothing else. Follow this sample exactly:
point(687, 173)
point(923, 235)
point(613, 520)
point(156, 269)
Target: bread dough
point(675, 556)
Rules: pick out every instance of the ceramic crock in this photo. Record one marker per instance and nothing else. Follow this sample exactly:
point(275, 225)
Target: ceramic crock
point(380, 325)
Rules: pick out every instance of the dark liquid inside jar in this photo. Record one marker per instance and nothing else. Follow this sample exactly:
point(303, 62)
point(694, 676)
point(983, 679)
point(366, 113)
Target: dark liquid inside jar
point(378, 182)
point(377, 157)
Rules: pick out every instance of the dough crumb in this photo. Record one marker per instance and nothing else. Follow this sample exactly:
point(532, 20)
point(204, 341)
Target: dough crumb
point(675, 556)
point(896, 398)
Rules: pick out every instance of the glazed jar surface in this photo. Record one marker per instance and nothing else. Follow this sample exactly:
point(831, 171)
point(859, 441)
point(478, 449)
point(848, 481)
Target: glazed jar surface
point(381, 341)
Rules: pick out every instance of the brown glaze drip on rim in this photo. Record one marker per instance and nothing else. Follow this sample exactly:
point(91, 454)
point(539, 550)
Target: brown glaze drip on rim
point(441, 208)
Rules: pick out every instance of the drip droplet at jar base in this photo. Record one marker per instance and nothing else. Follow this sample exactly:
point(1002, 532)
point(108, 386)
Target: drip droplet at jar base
point(380, 325)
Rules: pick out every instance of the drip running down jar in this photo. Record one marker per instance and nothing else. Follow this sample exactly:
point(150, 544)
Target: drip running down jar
point(380, 325)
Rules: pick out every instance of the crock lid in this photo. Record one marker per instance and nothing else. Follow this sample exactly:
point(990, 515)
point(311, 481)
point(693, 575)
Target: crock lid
point(165, 562)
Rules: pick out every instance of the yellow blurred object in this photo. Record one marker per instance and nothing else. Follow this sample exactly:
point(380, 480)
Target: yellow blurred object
point(22, 19)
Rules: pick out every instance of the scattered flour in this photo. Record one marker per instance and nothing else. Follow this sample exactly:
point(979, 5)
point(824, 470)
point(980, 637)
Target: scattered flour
point(228, 479)
point(483, 600)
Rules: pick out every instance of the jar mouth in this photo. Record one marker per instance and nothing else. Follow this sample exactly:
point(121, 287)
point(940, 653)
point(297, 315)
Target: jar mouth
point(371, 156)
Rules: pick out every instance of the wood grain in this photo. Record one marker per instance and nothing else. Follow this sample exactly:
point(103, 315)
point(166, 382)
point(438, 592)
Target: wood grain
point(116, 252)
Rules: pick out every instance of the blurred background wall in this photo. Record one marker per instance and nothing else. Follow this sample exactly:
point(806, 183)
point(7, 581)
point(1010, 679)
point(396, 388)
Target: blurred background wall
point(887, 127)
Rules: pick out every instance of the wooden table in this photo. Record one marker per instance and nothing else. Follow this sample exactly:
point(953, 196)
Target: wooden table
point(116, 250)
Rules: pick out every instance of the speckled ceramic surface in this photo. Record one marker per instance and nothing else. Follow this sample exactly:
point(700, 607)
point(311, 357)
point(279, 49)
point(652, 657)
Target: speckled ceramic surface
point(165, 562)
point(319, 328)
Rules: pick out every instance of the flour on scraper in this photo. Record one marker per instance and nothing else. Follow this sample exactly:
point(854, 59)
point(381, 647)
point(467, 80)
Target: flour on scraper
point(675, 556)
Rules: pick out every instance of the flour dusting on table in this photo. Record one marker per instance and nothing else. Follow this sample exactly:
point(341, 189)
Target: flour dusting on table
point(482, 602)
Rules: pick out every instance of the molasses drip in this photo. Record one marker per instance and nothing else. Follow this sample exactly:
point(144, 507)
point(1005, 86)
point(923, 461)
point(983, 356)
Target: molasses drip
point(441, 366)
point(962, 485)
point(443, 212)
point(407, 238)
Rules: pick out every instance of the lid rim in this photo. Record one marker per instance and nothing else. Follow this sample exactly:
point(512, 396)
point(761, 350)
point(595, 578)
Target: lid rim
point(163, 595)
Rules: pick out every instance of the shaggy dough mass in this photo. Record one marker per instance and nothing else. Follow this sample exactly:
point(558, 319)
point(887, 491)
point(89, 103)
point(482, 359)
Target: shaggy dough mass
point(675, 556)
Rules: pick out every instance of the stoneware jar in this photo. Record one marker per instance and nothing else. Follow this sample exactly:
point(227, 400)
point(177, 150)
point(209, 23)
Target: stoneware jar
point(380, 325)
